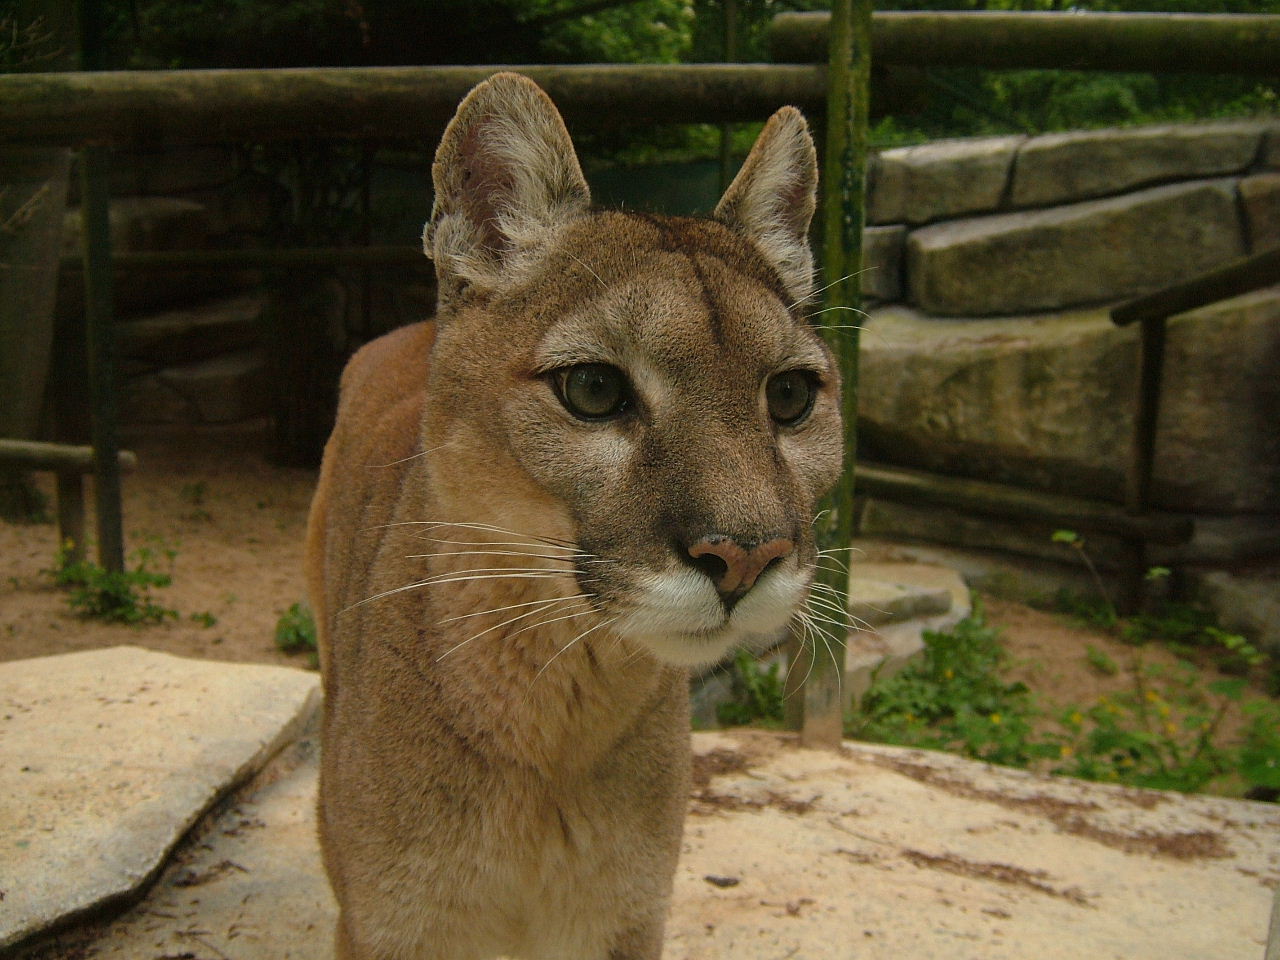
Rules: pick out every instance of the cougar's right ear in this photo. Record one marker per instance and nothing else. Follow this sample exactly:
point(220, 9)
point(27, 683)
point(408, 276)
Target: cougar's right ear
point(506, 179)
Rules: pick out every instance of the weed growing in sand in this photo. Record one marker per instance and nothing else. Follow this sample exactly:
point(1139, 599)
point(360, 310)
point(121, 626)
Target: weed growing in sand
point(1162, 731)
point(123, 596)
point(757, 693)
point(296, 633)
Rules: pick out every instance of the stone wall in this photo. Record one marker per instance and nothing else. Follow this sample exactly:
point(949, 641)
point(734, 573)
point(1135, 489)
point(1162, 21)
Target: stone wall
point(988, 352)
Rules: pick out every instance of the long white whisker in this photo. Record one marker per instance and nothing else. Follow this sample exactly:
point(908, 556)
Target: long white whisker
point(584, 633)
point(498, 626)
point(572, 551)
point(826, 288)
point(525, 574)
point(412, 456)
point(513, 606)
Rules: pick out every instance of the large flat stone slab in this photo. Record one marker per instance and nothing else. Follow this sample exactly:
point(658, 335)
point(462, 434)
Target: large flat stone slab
point(110, 756)
point(1080, 165)
point(1067, 256)
point(879, 853)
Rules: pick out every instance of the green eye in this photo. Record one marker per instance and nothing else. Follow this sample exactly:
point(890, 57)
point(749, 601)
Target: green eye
point(790, 396)
point(593, 391)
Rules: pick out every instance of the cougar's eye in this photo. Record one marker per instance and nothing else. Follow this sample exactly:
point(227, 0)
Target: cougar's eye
point(790, 396)
point(593, 391)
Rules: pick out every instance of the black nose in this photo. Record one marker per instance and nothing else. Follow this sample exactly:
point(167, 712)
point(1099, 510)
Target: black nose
point(735, 565)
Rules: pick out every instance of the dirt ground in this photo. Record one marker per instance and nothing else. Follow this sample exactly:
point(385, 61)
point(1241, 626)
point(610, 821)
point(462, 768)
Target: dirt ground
point(236, 523)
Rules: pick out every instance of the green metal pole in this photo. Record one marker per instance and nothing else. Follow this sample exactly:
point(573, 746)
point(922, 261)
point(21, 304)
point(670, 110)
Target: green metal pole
point(848, 78)
point(730, 55)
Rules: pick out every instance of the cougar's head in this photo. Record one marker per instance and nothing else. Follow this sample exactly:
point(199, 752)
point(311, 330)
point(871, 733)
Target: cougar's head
point(645, 389)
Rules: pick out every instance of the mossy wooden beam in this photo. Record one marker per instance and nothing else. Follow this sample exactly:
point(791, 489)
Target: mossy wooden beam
point(999, 500)
point(1156, 43)
point(401, 103)
point(59, 457)
point(844, 192)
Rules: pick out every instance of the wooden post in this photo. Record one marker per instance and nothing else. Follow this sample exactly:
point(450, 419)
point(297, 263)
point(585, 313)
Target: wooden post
point(71, 513)
point(730, 55)
point(848, 75)
point(100, 345)
point(95, 211)
point(1142, 451)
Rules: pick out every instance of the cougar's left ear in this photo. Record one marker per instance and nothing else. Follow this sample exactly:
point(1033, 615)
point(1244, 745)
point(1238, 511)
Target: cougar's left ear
point(506, 178)
point(772, 198)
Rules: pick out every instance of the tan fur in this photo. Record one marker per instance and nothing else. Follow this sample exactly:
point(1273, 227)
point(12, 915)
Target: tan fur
point(505, 600)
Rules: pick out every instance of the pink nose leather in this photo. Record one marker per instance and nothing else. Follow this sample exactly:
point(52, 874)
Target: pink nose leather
point(742, 566)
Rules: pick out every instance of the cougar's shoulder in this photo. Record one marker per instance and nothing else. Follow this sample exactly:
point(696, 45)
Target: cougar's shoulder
point(376, 433)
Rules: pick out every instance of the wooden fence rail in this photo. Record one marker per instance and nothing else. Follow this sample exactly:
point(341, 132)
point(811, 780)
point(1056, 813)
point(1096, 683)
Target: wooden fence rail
point(1126, 42)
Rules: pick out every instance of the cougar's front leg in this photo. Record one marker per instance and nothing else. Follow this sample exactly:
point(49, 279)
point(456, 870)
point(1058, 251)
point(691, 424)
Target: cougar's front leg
point(642, 942)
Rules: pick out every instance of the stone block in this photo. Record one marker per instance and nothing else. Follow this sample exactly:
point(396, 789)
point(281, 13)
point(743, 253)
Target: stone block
point(1271, 149)
point(193, 333)
point(147, 399)
point(1067, 167)
point(1046, 402)
point(1260, 200)
point(1079, 254)
point(146, 223)
point(223, 389)
point(935, 181)
point(882, 249)
point(110, 756)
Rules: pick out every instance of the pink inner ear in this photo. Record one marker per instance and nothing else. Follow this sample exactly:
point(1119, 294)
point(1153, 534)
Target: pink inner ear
point(487, 185)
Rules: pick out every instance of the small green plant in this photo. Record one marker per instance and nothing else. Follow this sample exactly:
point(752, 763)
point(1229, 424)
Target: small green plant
point(1100, 662)
point(1162, 731)
point(757, 693)
point(123, 596)
point(204, 618)
point(953, 698)
point(296, 633)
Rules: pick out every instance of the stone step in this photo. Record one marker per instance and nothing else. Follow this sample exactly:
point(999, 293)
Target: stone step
point(191, 333)
point(1066, 256)
point(110, 757)
point(936, 598)
point(878, 852)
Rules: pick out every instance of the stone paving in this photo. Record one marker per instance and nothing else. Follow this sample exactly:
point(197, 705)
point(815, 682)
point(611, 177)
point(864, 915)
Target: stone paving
point(875, 852)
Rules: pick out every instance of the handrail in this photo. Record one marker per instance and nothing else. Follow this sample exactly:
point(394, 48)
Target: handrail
point(995, 40)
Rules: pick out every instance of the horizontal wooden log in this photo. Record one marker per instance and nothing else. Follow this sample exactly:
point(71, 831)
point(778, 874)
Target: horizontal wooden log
point(1242, 276)
point(401, 255)
point(1015, 503)
point(398, 103)
point(1124, 42)
point(59, 457)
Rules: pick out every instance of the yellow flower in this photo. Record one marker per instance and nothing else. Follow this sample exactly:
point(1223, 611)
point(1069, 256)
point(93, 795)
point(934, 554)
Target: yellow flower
point(1076, 718)
point(1163, 709)
point(995, 718)
point(1171, 728)
point(1066, 751)
point(949, 673)
point(1152, 696)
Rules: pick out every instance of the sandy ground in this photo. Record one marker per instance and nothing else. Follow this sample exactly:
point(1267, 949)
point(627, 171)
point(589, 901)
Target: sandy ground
point(236, 525)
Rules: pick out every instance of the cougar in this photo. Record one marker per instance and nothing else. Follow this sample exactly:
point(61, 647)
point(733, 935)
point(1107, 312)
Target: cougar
point(596, 468)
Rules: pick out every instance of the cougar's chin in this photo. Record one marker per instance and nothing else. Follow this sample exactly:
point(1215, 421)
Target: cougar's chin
point(679, 618)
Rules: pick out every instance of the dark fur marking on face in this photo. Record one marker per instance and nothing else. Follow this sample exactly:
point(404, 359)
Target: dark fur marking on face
point(711, 238)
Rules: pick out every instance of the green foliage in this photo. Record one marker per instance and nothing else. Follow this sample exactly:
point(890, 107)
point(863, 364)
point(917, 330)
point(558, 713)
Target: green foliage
point(757, 694)
point(1162, 731)
point(296, 633)
point(1100, 661)
point(954, 699)
point(116, 596)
